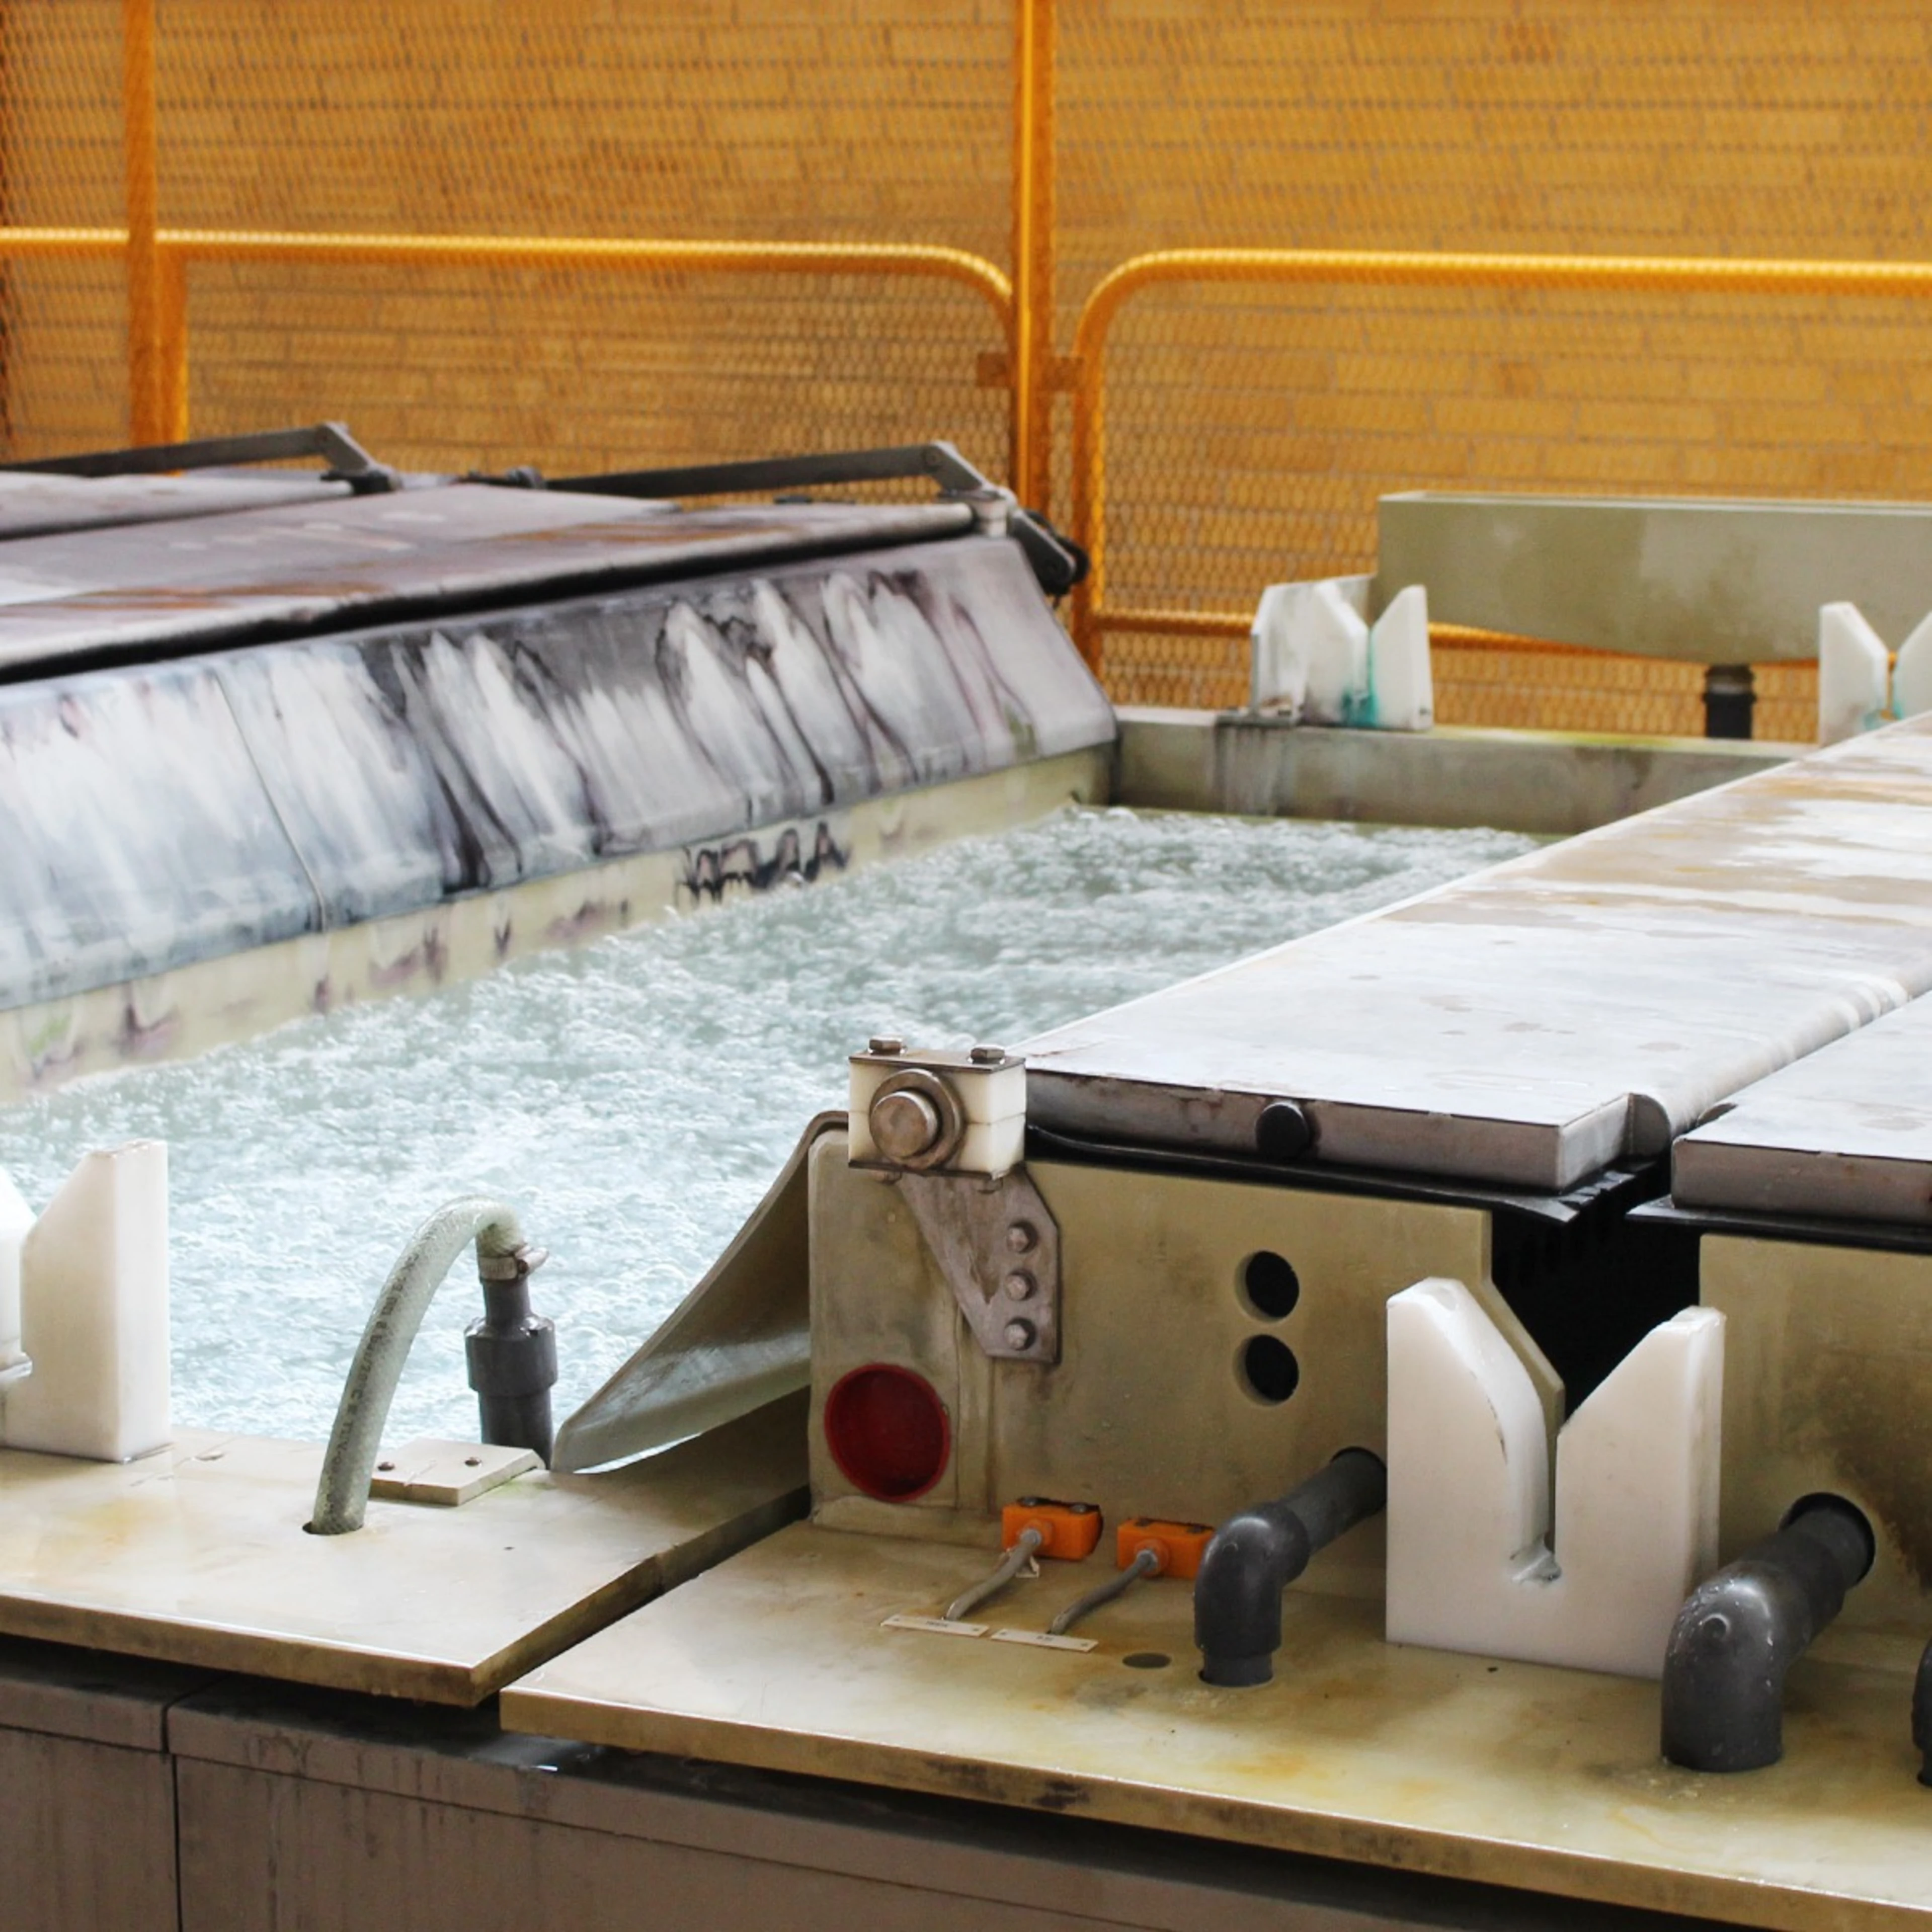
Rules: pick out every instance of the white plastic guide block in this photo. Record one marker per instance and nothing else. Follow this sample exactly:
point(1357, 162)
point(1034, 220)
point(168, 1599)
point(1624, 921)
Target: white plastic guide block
point(16, 1219)
point(1854, 674)
point(1912, 674)
point(1317, 660)
point(1473, 1564)
point(1401, 688)
point(93, 1313)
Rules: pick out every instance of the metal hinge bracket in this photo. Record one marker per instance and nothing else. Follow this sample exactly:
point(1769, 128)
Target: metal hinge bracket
point(998, 1246)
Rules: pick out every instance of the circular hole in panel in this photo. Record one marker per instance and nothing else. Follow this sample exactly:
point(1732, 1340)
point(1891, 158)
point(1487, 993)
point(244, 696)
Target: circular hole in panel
point(1147, 1659)
point(888, 1432)
point(1269, 1285)
point(1269, 1369)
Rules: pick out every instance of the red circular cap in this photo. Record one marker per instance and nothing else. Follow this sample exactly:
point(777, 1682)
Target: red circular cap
point(887, 1430)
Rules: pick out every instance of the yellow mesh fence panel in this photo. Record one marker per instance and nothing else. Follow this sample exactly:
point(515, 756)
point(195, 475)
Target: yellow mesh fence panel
point(1251, 430)
point(719, 120)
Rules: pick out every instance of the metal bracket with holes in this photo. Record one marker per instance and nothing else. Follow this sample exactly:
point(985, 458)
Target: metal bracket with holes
point(998, 1246)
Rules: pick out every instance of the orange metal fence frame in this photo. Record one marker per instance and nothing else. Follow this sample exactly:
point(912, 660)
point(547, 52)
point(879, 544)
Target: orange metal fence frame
point(1093, 620)
point(158, 410)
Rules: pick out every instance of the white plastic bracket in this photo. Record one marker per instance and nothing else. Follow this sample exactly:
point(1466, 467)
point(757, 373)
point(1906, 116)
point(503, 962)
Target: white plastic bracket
point(1476, 1561)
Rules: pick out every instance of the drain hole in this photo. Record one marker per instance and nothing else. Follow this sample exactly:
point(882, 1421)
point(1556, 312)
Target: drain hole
point(1270, 1370)
point(1270, 1286)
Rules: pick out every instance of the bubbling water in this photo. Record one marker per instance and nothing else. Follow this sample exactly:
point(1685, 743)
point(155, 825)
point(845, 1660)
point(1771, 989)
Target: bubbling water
point(633, 1099)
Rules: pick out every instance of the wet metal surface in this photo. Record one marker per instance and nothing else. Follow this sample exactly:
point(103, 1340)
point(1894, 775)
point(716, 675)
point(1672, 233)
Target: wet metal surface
point(181, 586)
point(39, 505)
point(1846, 1133)
point(167, 813)
point(1538, 1021)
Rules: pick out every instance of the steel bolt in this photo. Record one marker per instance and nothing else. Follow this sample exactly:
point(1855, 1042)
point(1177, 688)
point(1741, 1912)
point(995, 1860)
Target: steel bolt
point(904, 1124)
point(1019, 1334)
point(987, 1056)
point(885, 1043)
point(1020, 1285)
point(1022, 1237)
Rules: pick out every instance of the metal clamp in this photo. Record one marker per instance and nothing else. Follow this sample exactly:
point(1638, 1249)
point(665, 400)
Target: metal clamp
point(998, 1246)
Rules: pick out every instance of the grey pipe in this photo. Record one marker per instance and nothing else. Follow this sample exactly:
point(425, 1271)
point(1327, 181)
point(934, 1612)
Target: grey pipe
point(1255, 1555)
point(1922, 1715)
point(1145, 1564)
point(1008, 1567)
point(1742, 1628)
point(342, 1493)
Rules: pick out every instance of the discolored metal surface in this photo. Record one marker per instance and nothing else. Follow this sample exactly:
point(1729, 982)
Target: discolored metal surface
point(197, 1555)
point(1422, 1760)
point(1540, 1021)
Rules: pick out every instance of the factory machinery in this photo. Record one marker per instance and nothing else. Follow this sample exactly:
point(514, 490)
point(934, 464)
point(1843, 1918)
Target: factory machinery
point(1422, 1426)
point(1446, 1394)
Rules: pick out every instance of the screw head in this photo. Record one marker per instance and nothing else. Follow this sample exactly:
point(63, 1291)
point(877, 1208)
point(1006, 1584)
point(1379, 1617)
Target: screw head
point(1020, 1285)
point(885, 1043)
point(987, 1056)
point(1022, 1237)
point(1019, 1334)
point(385, 1467)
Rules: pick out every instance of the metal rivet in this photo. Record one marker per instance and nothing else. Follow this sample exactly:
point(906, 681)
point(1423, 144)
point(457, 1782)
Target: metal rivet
point(987, 1056)
point(1079, 1509)
point(1022, 1237)
point(1019, 1334)
point(885, 1043)
point(1020, 1285)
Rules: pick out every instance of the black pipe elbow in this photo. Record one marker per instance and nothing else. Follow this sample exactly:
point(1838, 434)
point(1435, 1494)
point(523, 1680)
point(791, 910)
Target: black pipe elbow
point(1922, 1715)
point(1255, 1555)
point(1740, 1630)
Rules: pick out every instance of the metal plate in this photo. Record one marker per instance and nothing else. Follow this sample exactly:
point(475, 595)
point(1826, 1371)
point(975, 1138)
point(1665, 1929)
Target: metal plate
point(1713, 582)
point(86, 598)
point(32, 506)
point(1846, 1133)
point(197, 1555)
point(1422, 1760)
point(1570, 1009)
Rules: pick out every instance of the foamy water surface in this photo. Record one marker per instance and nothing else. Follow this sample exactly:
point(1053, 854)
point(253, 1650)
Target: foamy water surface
point(632, 1100)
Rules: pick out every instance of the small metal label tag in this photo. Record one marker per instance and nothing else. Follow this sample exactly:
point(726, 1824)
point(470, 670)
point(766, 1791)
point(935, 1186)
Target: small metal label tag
point(938, 1626)
point(1043, 1640)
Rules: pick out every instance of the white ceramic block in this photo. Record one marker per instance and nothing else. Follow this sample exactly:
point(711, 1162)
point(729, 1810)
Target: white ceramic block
point(15, 1218)
point(1401, 689)
point(93, 1313)
point(1854, 674)
point(1912, 674)
point(1473, 1564)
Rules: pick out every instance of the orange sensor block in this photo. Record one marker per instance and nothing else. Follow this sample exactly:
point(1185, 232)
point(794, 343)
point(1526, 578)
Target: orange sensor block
point(1069, 1531)
point(1179, 1545)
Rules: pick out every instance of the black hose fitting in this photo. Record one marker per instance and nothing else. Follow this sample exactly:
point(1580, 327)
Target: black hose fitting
point(1255, 1555)
point(1922, 1715)
point(512, 1356)
point(1742, 1628)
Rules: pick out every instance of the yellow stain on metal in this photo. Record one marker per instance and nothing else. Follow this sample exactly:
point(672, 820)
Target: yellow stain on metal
point(197, 1555)
point(1425, 1760)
